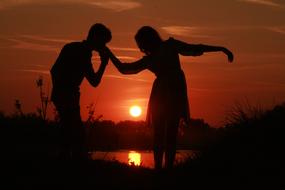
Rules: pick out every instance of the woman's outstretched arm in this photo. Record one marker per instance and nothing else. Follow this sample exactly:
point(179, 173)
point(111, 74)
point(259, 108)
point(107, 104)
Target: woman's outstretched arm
point(128, 68)
point(198, 49)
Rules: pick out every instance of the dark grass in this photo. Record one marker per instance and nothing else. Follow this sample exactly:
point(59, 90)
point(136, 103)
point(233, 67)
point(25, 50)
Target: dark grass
point(249, 153)
point(251, 146)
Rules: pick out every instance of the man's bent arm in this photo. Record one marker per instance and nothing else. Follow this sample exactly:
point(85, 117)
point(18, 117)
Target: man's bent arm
point(95, 78)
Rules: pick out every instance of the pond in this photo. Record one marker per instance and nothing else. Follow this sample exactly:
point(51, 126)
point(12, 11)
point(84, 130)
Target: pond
point(137, 158)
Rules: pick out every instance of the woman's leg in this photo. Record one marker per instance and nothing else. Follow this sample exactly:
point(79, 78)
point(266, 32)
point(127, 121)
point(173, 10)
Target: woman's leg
point(158, 144)
point(171, 140)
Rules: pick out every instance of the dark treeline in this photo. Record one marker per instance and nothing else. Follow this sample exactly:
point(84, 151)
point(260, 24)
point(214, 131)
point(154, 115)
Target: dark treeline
point(106, 135)
point(29, 136)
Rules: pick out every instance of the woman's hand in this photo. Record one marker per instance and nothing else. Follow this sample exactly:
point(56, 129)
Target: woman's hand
point(229, 54)
point(110, 55)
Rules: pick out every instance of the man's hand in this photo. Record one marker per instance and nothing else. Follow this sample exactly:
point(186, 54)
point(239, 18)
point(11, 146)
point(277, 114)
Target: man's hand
point(104, 55)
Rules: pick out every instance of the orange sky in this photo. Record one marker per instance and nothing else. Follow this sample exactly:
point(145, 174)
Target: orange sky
point(32, 33)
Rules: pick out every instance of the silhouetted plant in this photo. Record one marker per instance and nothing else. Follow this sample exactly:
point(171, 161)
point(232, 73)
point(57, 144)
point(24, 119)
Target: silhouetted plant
point(18, 107)
point(242, 113)
point(91, 114)
point(43, 97)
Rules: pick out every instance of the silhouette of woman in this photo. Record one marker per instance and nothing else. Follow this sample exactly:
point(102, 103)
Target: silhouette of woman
point(168, 103)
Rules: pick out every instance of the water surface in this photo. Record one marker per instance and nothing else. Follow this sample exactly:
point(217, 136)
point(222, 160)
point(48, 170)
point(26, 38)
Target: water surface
point(138, 158)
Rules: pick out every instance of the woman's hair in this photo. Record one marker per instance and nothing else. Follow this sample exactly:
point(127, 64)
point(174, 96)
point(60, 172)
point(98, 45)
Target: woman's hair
point(100, 31)
point(147, 39)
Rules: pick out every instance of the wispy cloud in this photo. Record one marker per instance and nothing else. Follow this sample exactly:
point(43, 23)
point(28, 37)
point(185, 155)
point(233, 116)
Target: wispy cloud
point(270, 3)
point(115, 5)
point(35, 42)
point(204, 32)
point(124, 49)
point(41, 38)
point(21, 44)
point(41, 43)
point(277, 29)
point(118, 5)
point(126, 78)
point(186, 31)
point(127, 58)
point(122, 58)
point(45, 72)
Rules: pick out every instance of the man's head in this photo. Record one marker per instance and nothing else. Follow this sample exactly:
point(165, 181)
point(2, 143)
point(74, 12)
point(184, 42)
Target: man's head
point(98, 36)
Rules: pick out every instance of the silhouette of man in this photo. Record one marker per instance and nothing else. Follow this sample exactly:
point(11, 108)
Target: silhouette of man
point(68, 72)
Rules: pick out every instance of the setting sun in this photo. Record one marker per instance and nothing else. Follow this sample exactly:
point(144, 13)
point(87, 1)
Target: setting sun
point(135, 111)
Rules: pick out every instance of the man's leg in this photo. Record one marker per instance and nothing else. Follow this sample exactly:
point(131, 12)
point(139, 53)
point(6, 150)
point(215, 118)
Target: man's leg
point(79, 147)
point(72, 133)
point(65, 133)
point(77, 134)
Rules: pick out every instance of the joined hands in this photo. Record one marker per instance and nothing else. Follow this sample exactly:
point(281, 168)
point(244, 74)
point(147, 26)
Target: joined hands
point(104, 55)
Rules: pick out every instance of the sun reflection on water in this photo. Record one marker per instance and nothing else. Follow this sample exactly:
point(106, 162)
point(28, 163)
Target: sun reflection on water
point(134, 158)
point(137, 158)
